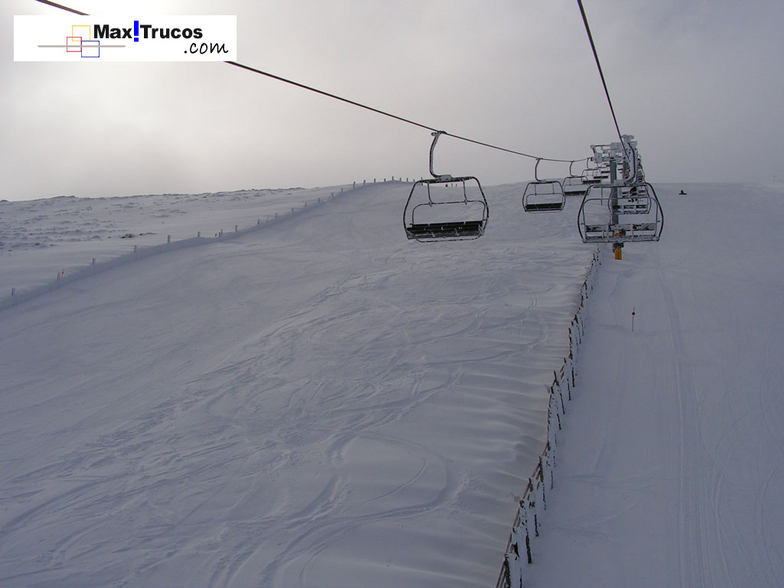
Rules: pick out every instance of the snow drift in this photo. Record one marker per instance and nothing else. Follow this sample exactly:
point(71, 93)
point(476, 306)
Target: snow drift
point(315, 403)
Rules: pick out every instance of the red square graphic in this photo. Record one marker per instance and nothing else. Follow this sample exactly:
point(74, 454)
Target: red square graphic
point(73, 44)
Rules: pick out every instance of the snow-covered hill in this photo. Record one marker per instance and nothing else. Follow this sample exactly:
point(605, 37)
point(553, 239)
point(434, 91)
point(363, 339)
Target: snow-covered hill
point(315, 403)
point(671, 461)
point(41, 239)
point(321, 403)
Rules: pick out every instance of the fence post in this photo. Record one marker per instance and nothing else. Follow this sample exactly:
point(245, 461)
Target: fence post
point(168, 238)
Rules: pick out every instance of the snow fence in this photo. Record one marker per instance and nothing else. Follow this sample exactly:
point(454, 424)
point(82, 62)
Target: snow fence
point(534, 501)
point(21, 295)
point(17, 296)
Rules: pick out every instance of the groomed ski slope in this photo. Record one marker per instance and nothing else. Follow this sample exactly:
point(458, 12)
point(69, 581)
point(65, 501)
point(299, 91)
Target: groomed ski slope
point(319, 403)
point(671, 463)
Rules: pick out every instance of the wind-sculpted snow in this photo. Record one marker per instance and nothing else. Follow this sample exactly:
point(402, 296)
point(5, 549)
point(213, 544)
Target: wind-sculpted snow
point(40, 239)
point(317, 403)
point(670, 464)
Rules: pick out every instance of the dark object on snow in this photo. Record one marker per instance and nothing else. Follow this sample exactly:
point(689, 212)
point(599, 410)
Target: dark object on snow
point(681, 193)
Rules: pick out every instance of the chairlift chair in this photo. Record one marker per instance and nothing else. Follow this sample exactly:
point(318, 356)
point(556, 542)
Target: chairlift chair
point(634, 199)
point(445, 207)
point(620, 214)
point(595, 175)
point(543, 195)
point(573, 185)
point(591, 177)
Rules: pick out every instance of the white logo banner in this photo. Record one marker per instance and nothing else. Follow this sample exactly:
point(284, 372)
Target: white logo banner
point(118, 38)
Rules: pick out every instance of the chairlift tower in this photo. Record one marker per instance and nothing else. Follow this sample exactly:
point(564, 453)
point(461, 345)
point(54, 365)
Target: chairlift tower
point(614, 208)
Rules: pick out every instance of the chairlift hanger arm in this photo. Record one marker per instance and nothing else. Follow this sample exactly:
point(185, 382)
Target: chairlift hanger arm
point(436, 135)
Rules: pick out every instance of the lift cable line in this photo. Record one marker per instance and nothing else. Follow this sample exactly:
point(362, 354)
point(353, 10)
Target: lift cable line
point(360, 105)
point(400, 118)
point(599, 66)
point(61, 7)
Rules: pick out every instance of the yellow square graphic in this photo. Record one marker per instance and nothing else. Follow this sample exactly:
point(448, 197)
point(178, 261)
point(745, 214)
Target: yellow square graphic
point(82, 31)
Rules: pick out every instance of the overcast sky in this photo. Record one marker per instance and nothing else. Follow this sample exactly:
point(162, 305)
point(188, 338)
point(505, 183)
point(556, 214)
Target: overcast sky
point(698, 82)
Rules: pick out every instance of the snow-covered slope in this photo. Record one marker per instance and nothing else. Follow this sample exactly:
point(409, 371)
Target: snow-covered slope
point(40, 239)
point(316, 403)
point(671, 463)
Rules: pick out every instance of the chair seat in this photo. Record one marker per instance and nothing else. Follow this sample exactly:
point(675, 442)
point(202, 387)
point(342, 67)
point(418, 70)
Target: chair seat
point(449, 230)
point(622, 233)
point(544, 206)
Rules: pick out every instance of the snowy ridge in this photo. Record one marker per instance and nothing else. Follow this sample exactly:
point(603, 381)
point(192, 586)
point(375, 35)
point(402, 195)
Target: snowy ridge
point(534, 500)
point(142, 252)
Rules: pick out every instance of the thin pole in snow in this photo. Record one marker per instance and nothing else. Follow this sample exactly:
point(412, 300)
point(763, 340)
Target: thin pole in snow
point(633, 313)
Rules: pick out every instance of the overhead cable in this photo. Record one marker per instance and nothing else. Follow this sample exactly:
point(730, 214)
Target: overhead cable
point(599, 65)
point(61, 7)
point(394, 116)
point(359, 104)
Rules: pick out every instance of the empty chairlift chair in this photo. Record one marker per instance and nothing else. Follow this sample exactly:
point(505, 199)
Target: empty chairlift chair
point(543, 195)
point(634, 199)
point(445, 207)
point(620, 214)
point(600, 174)
point(574, 185)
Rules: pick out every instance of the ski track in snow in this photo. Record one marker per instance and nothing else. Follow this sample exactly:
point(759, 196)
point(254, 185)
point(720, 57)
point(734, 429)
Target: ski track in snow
point(318, 403)
point(670, 461)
